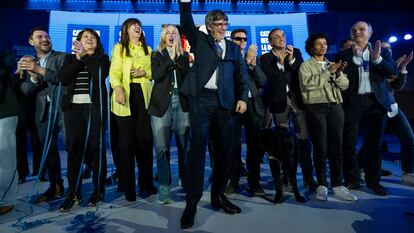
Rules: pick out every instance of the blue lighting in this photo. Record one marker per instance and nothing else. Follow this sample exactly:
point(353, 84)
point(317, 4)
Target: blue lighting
point(392, 39)
point(408, 36)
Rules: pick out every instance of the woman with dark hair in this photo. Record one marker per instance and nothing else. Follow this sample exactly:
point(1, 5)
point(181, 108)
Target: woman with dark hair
point(130, 78)
point(84, 108)
point(321, 83)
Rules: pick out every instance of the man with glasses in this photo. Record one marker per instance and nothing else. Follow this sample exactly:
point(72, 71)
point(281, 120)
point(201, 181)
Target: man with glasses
point(281, 66)
point(216, 81)
point(252, 120)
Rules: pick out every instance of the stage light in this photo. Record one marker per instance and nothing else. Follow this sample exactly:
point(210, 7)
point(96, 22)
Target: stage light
point(392, 39)
point(408, 36)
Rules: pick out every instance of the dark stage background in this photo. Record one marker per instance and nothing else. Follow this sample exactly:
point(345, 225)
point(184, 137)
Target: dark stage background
point(333, 18)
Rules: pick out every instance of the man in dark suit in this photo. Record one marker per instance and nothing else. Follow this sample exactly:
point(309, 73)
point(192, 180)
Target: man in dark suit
point(216, 81)
point(251, 120)
point(366, 97)
point(281, 66)
point(41, 77)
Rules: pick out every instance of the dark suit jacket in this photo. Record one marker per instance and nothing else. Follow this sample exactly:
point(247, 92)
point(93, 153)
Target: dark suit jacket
point(378, 75)
point(232, 68)
point(277, 80)
point(257, 78)
point(69, 72)
point(162, 68)
point(45, 85)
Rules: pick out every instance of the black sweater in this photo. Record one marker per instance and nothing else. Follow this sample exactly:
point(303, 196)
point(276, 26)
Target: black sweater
point(69, 73)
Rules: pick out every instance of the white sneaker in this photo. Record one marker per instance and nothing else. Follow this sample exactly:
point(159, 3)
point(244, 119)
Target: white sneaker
point(322, 193)
point(407, 179)
point(342, 193)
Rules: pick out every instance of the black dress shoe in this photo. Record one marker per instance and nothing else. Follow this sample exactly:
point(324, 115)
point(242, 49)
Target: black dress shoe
point(352, 185)
point(130, 197)
point(256, 190)
point(221, 202)
point(21, 180)
point(187, 219)
point(48, 195)
point(151, 190)
point(311, 185)
point(385, 172)
point(377, 188)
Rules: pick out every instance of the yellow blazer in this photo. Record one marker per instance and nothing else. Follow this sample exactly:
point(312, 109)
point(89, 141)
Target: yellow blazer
point(119, 74)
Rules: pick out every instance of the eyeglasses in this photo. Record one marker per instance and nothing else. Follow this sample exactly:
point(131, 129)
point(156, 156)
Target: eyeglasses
point(240, 39)
point(221, 25)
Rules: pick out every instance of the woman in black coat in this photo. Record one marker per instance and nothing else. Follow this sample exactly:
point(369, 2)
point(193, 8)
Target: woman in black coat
point(84, 107)
point(168, 108)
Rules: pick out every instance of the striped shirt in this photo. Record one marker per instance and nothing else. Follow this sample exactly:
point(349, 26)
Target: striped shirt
point(81, 91)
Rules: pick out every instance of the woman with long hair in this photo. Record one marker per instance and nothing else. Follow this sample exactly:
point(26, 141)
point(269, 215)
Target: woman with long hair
point(168, 108)
point(84, 108)
point(130, 78)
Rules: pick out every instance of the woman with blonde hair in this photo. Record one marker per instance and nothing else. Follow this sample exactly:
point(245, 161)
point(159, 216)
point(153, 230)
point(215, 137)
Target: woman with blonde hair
point(168, 108)
point(130, 78)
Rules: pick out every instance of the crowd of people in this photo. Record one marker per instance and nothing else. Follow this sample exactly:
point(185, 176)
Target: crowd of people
point(203, 97)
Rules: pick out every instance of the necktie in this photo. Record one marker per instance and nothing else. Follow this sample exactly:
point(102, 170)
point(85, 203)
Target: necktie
point(219, 50)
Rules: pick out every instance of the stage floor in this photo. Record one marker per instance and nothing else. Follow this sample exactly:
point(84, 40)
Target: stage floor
point(370, 214)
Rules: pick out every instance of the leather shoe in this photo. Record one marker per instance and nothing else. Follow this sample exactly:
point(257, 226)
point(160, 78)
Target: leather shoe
point(221, 202)
point(385, 172)
point(187, 218)
point(353, 185)
point(6, 209)
point(378, 189)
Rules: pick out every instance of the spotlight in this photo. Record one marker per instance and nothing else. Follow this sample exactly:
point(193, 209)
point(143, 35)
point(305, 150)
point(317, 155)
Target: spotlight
point(392, 39)
point(408, 36)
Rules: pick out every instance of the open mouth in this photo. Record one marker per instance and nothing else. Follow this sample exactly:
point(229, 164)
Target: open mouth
point(171, 40)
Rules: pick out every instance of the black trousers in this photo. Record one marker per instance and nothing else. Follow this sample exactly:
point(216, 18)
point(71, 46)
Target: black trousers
point(366, 107)
point(252, 123)
point(206, 111)
point(135, 143)
point(26, 124)
point(325, 124)
point(76, 121)
point(52, 162)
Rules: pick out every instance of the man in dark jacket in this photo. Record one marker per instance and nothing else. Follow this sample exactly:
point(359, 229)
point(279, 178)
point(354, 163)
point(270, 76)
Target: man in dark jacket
point(40, 75)
point(281, 66)
point(216, 81)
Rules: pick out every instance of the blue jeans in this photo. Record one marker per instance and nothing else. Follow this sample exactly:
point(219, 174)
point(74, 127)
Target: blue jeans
point(8, 165)
point(404, 132)
point(174, 121)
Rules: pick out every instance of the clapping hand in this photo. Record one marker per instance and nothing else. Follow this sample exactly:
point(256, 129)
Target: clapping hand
point(78, 49)
point(376, 52)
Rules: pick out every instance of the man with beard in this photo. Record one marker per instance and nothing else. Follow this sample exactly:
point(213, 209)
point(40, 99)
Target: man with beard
point(40, 76)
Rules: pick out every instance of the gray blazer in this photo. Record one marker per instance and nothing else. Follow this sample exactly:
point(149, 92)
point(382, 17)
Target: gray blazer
point(46, 85)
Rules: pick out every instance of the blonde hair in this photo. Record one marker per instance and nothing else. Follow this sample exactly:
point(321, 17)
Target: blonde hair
point(162, 45)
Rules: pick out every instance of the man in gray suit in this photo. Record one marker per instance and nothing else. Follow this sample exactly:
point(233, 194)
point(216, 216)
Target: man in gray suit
point(40, 76)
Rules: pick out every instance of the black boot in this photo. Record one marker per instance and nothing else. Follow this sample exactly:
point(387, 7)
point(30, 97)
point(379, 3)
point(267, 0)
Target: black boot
point(275, 170)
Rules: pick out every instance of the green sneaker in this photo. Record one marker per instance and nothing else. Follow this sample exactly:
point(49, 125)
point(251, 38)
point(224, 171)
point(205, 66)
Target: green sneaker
point(164, 195)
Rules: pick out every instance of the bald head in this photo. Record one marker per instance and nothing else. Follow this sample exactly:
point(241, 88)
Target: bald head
point(361, 31)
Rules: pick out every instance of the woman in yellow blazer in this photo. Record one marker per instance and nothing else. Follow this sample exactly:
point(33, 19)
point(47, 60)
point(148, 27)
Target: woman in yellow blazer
point(130, 78)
